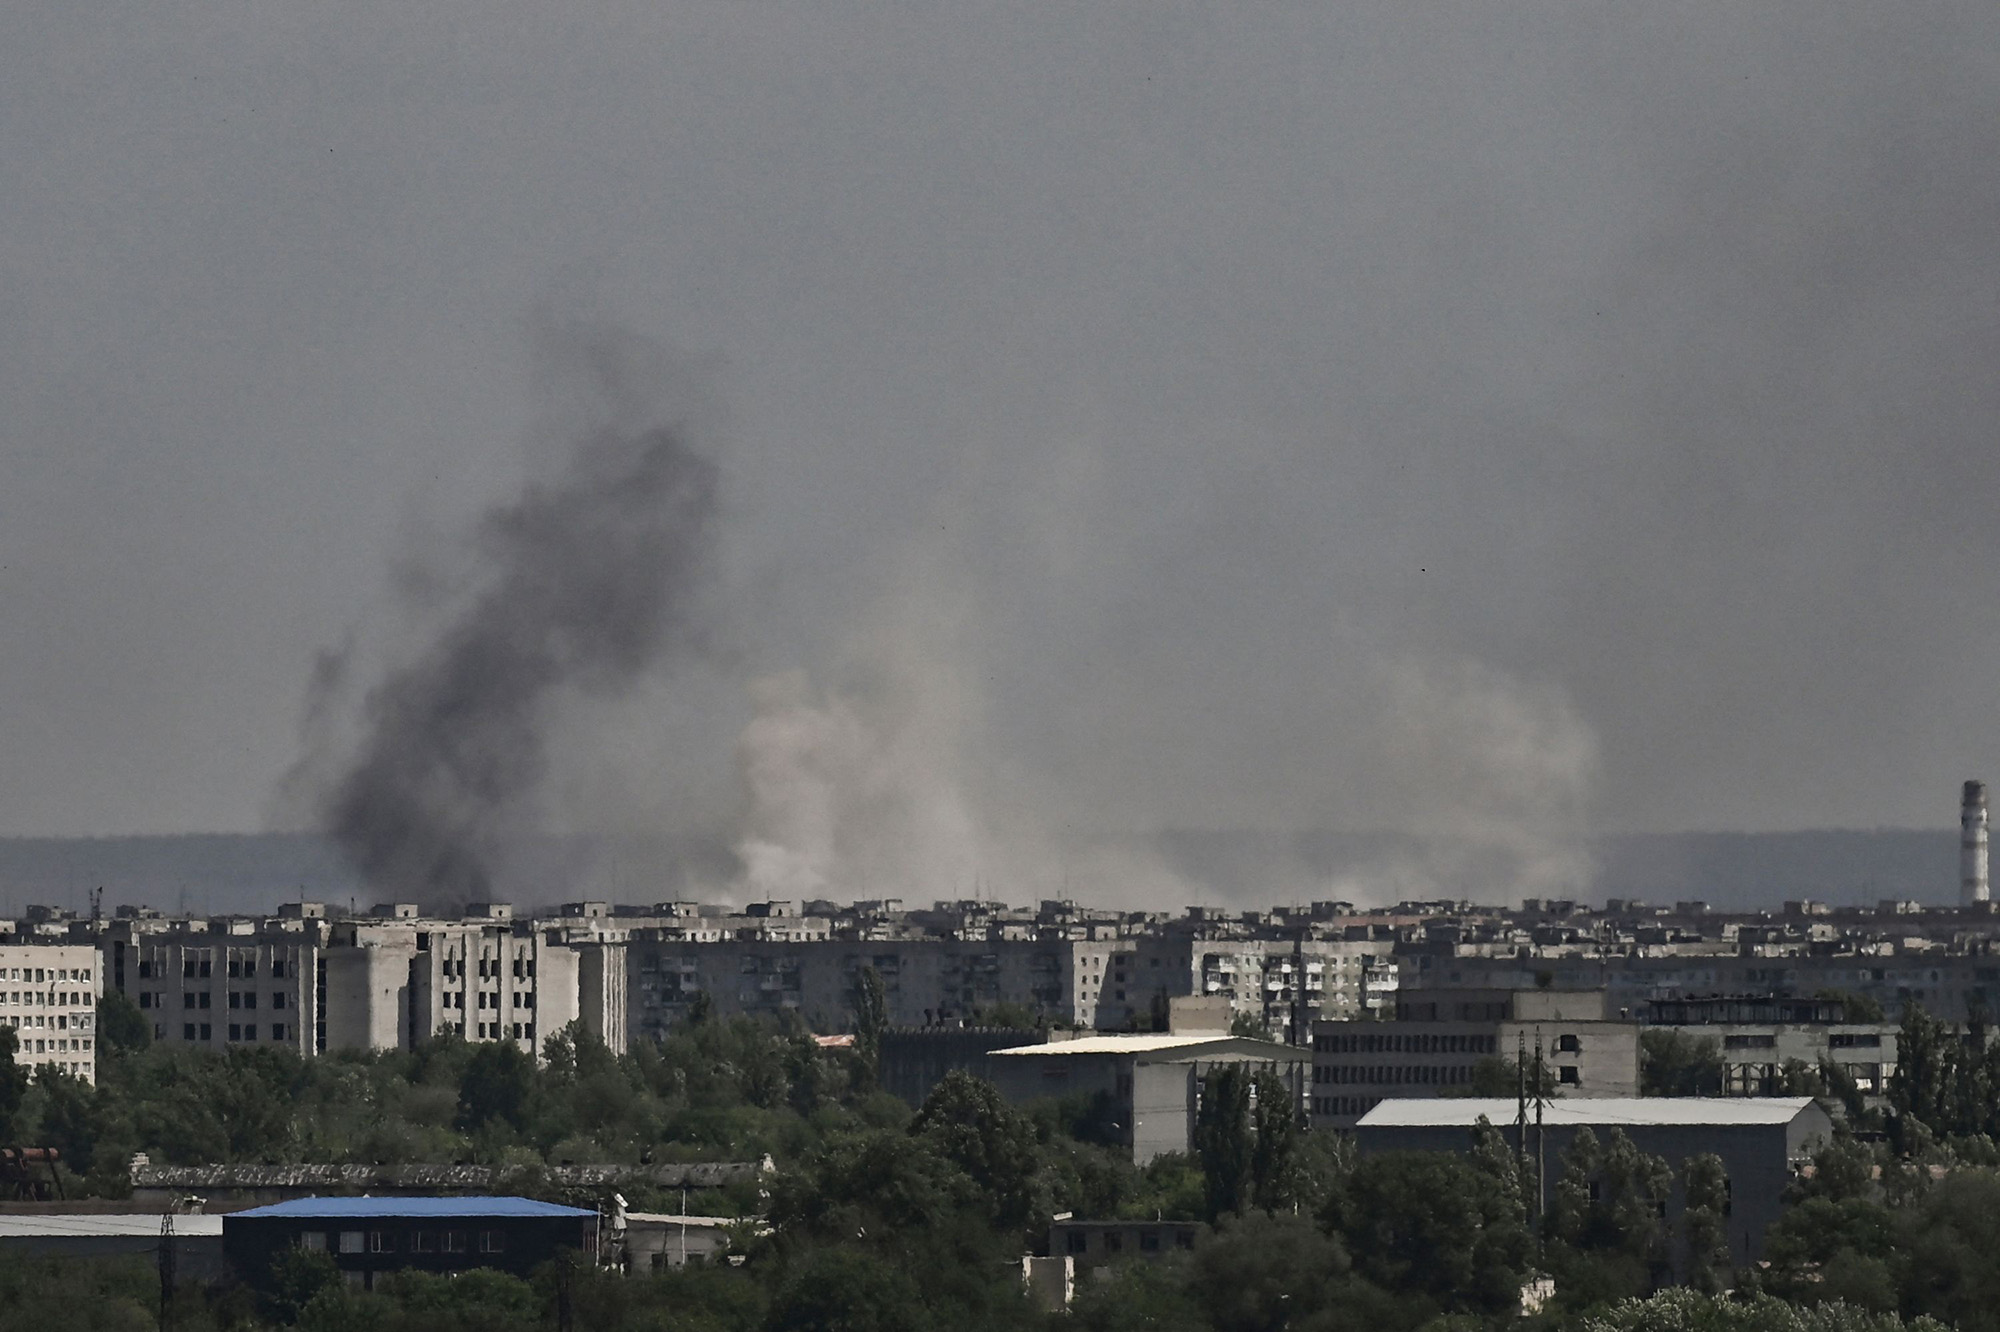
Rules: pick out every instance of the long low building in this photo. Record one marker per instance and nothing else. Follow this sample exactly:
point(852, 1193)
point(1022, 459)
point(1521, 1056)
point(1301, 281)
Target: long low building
point(367, 1237)
point(1761, 1141)
point(196, 1239)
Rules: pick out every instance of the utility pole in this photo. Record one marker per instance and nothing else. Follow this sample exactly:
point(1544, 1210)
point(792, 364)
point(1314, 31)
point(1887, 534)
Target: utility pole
point(166, 1264)
point(1541, 1137)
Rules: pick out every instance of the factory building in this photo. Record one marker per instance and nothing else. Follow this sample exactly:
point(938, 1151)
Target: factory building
point(1761, 1142)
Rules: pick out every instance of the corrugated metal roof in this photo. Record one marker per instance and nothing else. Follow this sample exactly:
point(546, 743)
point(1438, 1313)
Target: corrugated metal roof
point(337, 1208)
point(1595, 1111)
point(78, 1225)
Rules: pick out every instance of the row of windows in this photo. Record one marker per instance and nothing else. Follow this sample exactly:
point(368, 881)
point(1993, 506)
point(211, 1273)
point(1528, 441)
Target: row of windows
point(46, 998)
point(55, 1045)
point(1406, 1043)
point(43, 975)
point(239, 999)
point(1432, 1075)
point(489, 968)
point(1344, 1105)
point(487, 999)
point(493, 1031)
point(389, 1241)
point(198, 967)
point(63, 1023)
point(202, 1031)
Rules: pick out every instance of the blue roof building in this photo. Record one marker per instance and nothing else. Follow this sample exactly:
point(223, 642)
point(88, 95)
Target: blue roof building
point(366, 1237)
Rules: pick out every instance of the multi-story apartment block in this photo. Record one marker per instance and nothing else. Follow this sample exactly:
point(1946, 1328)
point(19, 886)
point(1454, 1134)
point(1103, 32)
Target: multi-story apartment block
point(1952, 987)
point(223, 982)
point(400, 978)
point(1760, 1037)
point(927, 982)
point(1437, 1041)
point(48, 995)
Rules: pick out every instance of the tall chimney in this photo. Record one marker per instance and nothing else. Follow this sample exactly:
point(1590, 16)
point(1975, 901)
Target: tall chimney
point(1972, 885)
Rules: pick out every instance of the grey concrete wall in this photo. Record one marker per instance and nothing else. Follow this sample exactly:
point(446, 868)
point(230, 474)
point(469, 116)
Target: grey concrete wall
point(1757, 1157)
point(1163, 1109)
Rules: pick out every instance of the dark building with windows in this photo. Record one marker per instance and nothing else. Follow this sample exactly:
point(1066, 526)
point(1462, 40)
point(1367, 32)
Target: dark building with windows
point(366, 1236)
point(1440, 1039)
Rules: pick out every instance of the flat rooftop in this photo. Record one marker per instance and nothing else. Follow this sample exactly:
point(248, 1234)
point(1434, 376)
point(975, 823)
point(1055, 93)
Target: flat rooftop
point(75, 1225)
point(333, 1209)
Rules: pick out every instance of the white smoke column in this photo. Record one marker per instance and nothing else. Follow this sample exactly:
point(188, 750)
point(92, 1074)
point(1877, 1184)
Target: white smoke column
point(862, 791)
point(1490, 774)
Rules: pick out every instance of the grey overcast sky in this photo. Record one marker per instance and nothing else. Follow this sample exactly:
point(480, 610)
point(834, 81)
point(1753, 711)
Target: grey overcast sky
point(1129, 415)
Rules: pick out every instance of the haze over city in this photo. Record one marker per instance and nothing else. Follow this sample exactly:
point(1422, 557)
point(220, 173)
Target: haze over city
point(1498, 431)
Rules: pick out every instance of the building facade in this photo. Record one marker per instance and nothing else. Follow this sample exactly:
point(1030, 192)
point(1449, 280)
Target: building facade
point(1439, 1040)
point(48, 995)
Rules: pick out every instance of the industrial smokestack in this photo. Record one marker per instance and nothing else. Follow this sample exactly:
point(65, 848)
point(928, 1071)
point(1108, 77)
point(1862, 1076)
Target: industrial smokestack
point(1972, 885)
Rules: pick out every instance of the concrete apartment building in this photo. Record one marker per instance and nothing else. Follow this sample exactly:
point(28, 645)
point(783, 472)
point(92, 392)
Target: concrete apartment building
point(400, 978)
point(1437, 1040)
point(1897, 963)
point(310, 983)
point(233, 981)
point(1757, 1036)
point(48, 995)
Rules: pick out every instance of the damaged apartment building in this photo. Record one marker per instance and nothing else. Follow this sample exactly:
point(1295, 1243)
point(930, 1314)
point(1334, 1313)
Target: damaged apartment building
point(310, 983)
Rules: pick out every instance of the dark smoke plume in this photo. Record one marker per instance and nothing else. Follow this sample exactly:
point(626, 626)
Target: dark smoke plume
point(590, 579)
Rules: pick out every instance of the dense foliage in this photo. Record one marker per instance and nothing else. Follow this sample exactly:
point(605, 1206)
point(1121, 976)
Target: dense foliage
point(879, 1219)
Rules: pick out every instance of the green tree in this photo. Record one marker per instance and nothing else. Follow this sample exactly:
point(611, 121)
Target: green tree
point(1672, 1063)
point(1855, 1007)
point(121, 1028)
point(1260, 1273)
point(1704, 1221)
point(1841, 1169)
point(295, 1279)
point(1925, 1079)
point(1222, 1138)
point(968, 1123)
point(847, 1290)
point(1608, 1215)
point(1275, 1156)
point(13, 1085)
point(70, 1118)
point(1445, 1226)
point(1827, 1247)
point(871, 1018)
point(499, 1079)
point(1250, 1025)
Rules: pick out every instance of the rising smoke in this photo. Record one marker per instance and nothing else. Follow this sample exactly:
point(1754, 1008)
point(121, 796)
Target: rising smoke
point(588, 583)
